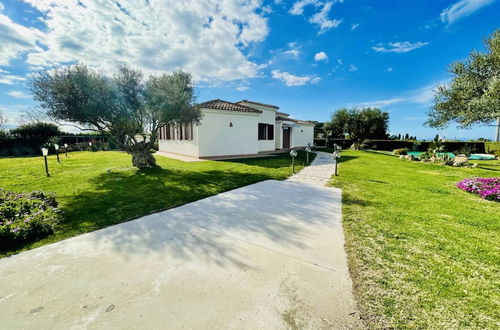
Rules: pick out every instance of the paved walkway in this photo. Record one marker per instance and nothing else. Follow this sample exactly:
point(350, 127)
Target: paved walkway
point(318, 173)
point(265, 256)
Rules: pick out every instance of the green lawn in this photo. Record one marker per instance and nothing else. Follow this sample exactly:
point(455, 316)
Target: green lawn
point(422, 253)
point(91, 198)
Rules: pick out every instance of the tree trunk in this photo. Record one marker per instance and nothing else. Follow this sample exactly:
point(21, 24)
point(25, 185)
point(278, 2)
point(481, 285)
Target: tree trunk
point(143, 158)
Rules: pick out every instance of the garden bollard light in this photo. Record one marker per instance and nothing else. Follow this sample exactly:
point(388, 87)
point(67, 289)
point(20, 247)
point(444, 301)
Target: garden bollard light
point(56, 146)
point(293, 154)
point(308, 150)
point(66, 149)
point(45, 152)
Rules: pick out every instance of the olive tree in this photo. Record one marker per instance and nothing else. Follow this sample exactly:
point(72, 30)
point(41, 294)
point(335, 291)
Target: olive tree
point(473, 95)
point(359, 124)
point(124, 106)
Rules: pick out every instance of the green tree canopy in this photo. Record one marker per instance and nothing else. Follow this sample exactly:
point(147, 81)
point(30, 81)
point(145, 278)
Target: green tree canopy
point(124, 106)
point(473, 95)
point(359, 124)
point(36, 131)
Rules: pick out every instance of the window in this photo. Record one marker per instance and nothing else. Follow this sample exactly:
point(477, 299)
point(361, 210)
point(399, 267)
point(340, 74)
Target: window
point(266, 132)
point(177, 132)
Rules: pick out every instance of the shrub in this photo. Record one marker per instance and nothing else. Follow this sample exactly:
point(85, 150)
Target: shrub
point(492, 147)
point(487, 188)
point(402, 151)
point(26, 217)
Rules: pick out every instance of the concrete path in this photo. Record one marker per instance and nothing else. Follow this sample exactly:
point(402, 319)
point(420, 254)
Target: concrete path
point(318, 173)
point(265, 256)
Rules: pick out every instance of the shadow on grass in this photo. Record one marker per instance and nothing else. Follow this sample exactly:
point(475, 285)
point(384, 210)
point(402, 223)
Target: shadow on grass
point(202, 229)
point(346, 158)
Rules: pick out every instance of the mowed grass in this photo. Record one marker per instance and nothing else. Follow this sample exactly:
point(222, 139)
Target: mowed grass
point(422, 253)
point(99, 189)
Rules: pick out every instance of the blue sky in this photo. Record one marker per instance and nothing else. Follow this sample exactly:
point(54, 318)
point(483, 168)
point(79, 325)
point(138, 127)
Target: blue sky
point(309, 57)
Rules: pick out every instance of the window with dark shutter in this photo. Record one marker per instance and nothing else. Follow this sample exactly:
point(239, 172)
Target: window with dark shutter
point(270, 132)
point(262, 131)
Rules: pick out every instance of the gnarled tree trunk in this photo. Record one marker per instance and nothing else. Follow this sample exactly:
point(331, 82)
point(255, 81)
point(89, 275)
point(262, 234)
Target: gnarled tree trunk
point(143, 158)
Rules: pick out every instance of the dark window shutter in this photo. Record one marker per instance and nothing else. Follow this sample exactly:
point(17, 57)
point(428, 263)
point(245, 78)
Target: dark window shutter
point(270, 132)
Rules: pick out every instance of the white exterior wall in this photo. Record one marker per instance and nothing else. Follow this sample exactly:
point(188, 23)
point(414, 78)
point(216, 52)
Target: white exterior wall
point(278, 136)
point(217, 138)
point(183, 147)
point(302, 136)
point(268, 116)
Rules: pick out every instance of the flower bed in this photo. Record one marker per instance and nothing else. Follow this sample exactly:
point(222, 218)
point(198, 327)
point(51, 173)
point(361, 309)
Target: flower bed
point(26, 217)
point(487, 188)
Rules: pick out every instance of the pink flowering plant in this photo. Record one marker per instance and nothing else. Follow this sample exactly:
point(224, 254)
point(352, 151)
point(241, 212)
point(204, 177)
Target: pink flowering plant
point(26, 217)
point(487, 188)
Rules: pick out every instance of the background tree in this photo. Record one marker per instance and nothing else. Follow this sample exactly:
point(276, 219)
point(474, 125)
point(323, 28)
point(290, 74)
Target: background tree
point(359, 124)
point(36, 131)
point(473, 95)
point(125, 107)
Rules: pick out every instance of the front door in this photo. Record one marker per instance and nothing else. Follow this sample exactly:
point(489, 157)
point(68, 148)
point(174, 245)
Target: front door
point(286, 138)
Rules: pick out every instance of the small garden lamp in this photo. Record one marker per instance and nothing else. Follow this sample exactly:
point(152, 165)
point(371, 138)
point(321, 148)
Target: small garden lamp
point(308, 150)
point(336, 157)
point(45, 152)
point(293, 154)
point(56, 146)
point(66, 149)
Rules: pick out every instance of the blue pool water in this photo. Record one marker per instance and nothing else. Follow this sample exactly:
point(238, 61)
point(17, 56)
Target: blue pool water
point(416, 154)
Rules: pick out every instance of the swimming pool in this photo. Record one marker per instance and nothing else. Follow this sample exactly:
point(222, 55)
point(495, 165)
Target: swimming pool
point(416, 154)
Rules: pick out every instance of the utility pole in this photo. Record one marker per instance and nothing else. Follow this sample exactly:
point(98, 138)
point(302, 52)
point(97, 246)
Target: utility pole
point(497, 138)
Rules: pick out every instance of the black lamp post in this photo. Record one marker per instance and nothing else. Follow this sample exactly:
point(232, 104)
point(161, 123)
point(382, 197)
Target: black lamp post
point(45, 152)
point(293, 154)
point(56, 146)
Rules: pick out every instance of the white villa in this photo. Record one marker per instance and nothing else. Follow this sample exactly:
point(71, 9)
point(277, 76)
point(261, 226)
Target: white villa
point(236, 129)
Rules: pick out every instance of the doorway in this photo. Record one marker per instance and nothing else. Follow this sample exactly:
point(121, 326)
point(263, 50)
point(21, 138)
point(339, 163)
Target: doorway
point(286, 137)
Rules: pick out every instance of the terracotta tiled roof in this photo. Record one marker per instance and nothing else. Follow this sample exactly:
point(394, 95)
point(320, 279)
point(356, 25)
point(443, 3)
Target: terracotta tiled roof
point(257, 103)
point(228, 106)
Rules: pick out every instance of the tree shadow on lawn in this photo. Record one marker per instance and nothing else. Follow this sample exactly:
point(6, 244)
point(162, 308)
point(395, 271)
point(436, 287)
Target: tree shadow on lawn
point(196, 230)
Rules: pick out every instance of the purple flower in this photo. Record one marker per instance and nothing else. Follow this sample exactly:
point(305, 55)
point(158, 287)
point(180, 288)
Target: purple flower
point(487, 188)
point(15, 230)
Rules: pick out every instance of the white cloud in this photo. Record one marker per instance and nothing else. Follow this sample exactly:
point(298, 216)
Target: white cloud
point(353, 68)
point(298, 7)
point(1, 6)
point(339, 61)
point(423, 96)
point(242, 88)
point(293, 80)
point(321, 17)
point(9, 79)
point(389, 69)
point(16, 39)
point(321, 56)
point(379, 103)
point(399, 47)
point(292, 52)
point(461, 9)
point(354, 27)
point(205, 37)
point(322, 20)
point(18, 95)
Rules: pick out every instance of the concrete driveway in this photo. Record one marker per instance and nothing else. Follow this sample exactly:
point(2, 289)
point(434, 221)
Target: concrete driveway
point(267, 256)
